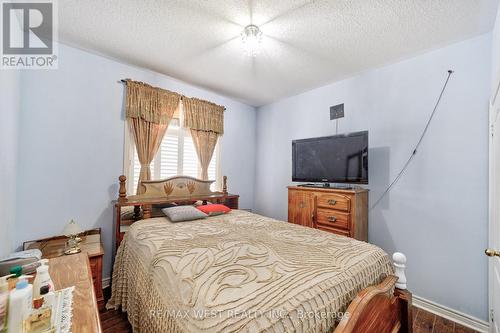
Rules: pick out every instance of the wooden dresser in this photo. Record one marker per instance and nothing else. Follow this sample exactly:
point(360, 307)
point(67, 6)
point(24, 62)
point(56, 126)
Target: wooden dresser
point(91, 245)
point(340, 211)
point(74, 270)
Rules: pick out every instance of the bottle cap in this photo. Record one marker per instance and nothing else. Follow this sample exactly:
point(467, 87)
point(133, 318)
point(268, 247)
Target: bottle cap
point(21, 284)
point(16, 270)
point(44, 290)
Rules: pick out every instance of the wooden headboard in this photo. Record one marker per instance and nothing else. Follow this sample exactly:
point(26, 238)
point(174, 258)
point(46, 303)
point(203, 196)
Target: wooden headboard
point(178, 186)
point(178, 189)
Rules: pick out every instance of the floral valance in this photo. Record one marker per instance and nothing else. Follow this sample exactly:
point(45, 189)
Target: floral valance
point(152, 104)
point(203, 115)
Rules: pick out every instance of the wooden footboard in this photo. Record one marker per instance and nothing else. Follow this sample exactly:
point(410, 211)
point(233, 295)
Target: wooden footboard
point(385, 308)
point(379, 309)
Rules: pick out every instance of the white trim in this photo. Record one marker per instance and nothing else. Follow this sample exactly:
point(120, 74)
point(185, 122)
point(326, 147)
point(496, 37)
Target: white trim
point(450, 314)
point(494, 112)
point(180, 140)
point(218, 169)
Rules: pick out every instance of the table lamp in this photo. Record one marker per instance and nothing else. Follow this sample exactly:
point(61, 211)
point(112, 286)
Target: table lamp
point(72, 230)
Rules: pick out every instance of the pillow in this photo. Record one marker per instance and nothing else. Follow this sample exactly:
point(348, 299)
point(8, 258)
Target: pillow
point(183, 213)
point(214, 209)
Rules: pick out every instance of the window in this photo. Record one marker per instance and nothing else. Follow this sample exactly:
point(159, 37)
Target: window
point(176, 156)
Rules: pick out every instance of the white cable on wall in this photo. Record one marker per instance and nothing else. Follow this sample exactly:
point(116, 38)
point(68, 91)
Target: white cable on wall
point(405, 166)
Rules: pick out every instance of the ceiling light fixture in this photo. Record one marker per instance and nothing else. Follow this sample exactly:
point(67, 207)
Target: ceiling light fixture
point(251, 37)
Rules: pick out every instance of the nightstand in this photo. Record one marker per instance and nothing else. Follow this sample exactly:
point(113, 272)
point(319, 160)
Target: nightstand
point(91, 245)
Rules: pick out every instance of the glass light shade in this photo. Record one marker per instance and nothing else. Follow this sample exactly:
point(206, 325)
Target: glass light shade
point(72, 229)
point(251, 37)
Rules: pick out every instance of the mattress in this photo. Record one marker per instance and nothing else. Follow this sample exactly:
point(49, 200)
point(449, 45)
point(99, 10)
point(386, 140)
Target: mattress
point(239, 272)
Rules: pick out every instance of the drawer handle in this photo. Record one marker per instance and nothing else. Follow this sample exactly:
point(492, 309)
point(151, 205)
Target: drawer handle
point(332, 218)
point(332, 202)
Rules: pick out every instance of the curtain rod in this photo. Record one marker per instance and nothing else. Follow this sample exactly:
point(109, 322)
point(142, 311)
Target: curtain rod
point(182, 96)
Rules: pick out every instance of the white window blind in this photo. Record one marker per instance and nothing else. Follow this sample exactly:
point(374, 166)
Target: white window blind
point(190, 164)
point(169, 153)
point(176, 156)
point(212, 168)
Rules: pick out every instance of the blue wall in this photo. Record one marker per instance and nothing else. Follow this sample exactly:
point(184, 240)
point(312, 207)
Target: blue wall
point(437, 213)
point(10, 83)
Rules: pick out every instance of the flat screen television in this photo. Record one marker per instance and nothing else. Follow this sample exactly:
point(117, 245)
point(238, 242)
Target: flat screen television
point(331, 159)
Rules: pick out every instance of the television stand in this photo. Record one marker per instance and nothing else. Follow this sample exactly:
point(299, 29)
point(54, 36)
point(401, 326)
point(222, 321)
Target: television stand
point(327, 185)
point(339, 211)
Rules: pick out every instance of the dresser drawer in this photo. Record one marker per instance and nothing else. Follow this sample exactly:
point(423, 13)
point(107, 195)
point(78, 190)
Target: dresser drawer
point(334, 201)
point(332, 218)
point(334, 231)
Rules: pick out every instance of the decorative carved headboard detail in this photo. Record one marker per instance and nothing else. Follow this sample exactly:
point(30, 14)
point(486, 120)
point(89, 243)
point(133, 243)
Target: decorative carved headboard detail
point(178, 186)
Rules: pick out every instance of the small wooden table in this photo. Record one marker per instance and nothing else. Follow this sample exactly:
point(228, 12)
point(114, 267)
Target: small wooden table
point(91, 245)
point(74, 270)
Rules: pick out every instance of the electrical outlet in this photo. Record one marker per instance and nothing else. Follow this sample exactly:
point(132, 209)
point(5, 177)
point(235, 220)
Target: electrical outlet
point(337, 111)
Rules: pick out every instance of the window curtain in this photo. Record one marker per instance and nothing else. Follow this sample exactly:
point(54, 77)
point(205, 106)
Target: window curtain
point(149, 111)
point(206, 123)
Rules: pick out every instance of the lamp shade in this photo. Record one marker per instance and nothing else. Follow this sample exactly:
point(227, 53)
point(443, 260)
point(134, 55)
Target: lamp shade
point(72, 229)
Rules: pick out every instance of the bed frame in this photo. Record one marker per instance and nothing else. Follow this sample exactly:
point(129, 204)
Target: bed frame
point(157, 193)
point(384, 308)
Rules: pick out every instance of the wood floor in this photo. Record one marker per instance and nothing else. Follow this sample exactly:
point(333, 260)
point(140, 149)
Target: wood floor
point(115, 321)
point(426, 322)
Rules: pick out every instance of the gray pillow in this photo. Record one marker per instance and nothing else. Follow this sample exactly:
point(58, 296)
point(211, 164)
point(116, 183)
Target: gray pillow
point(183, 213)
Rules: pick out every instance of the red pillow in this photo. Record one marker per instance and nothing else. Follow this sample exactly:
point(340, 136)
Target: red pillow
point(214, 208)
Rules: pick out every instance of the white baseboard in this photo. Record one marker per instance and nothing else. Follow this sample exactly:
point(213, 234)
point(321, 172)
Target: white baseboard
point(105, 282)
point(450, 314)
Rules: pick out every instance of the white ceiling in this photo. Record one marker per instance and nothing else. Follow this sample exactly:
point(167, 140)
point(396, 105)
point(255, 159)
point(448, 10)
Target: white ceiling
point(306, 43)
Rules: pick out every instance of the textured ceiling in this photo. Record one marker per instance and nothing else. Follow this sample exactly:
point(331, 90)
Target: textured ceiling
point(306, 44)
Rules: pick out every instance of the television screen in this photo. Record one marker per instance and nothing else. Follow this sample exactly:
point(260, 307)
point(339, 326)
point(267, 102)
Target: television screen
point(332, 159)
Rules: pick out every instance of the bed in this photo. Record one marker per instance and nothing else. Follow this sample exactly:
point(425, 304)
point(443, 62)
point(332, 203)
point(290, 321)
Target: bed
point(242, 272)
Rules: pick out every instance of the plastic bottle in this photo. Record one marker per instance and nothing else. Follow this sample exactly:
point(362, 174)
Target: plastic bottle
point(20, 303)
point(42, 278)
point(4, 302)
